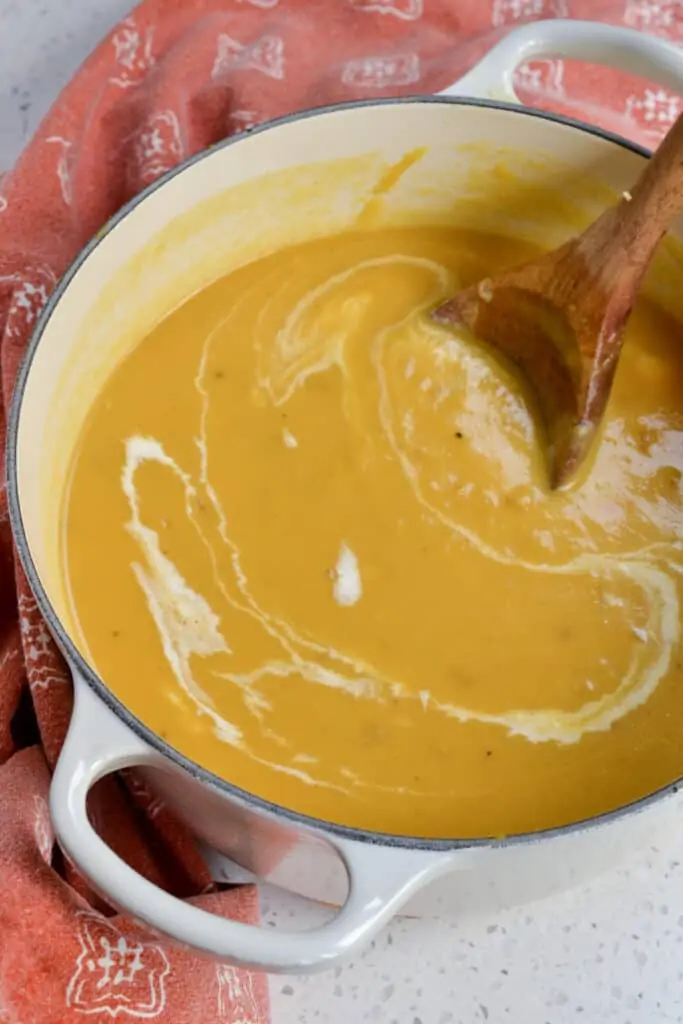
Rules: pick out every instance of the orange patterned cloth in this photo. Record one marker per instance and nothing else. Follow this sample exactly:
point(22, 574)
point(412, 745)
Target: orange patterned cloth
point(174, 77)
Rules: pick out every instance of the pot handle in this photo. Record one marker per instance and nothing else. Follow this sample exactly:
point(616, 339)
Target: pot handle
point(623, 48)
point(381, 879)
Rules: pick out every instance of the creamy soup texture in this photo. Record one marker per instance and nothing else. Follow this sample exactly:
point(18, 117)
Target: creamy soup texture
point(309, 542)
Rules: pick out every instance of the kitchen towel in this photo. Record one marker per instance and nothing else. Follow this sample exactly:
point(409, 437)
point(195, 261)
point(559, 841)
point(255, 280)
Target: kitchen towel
point(172, 78)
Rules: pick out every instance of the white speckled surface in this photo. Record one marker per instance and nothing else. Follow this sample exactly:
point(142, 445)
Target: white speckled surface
point(609, 952)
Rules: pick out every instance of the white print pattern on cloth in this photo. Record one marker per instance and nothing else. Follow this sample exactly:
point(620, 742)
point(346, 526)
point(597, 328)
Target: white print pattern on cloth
point(43, 667)
point(545, 77)
point(382, 72)
point(266, 55)
point(149, 801)
point(63, 167)
point(157, 146)
point(237, 1002)
point(406, 10)
point(504, 12)
point(42, 828)
point(30, 293)
point(133, 53)
point(651, 15)
point(3, 204)
point(243, 120)
point(115, 974)
point(12, 652)
point(260, 3)
point(653, 110)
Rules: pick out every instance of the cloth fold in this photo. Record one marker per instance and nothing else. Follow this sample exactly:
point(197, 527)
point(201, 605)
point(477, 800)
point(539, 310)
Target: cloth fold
point(173, 77)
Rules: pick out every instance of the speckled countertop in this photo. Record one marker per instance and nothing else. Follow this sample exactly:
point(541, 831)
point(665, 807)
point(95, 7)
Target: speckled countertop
point(609, 952)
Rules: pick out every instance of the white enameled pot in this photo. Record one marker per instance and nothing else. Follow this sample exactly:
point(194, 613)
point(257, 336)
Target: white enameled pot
point(182, 233)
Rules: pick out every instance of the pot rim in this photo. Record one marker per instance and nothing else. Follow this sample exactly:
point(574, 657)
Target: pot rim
point(78, 664)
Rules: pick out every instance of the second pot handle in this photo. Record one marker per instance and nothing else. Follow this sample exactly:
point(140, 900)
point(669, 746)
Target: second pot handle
point(622, 48)
point(381, 878)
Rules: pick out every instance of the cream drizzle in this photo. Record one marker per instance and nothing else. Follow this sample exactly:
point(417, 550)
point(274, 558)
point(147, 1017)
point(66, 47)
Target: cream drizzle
point(186, 623)
point(348, 586)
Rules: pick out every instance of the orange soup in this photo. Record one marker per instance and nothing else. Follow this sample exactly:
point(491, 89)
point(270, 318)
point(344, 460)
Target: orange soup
point(309, 542)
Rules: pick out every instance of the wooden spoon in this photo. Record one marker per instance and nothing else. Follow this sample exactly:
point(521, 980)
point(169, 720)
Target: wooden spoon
point(560, 319)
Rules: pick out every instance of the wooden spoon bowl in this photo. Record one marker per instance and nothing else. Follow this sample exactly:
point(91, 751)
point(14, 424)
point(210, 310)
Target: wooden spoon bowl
point(560, 319)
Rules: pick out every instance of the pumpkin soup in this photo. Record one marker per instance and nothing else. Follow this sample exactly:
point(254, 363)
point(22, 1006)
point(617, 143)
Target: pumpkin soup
point(309, 542)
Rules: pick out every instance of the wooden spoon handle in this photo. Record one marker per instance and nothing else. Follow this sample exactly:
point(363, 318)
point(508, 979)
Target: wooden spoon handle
point(658, 194)
point(619, 246)
point(646, 213)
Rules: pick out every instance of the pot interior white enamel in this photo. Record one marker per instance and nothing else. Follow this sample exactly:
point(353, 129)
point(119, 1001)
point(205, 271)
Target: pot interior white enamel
point(150, 259)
